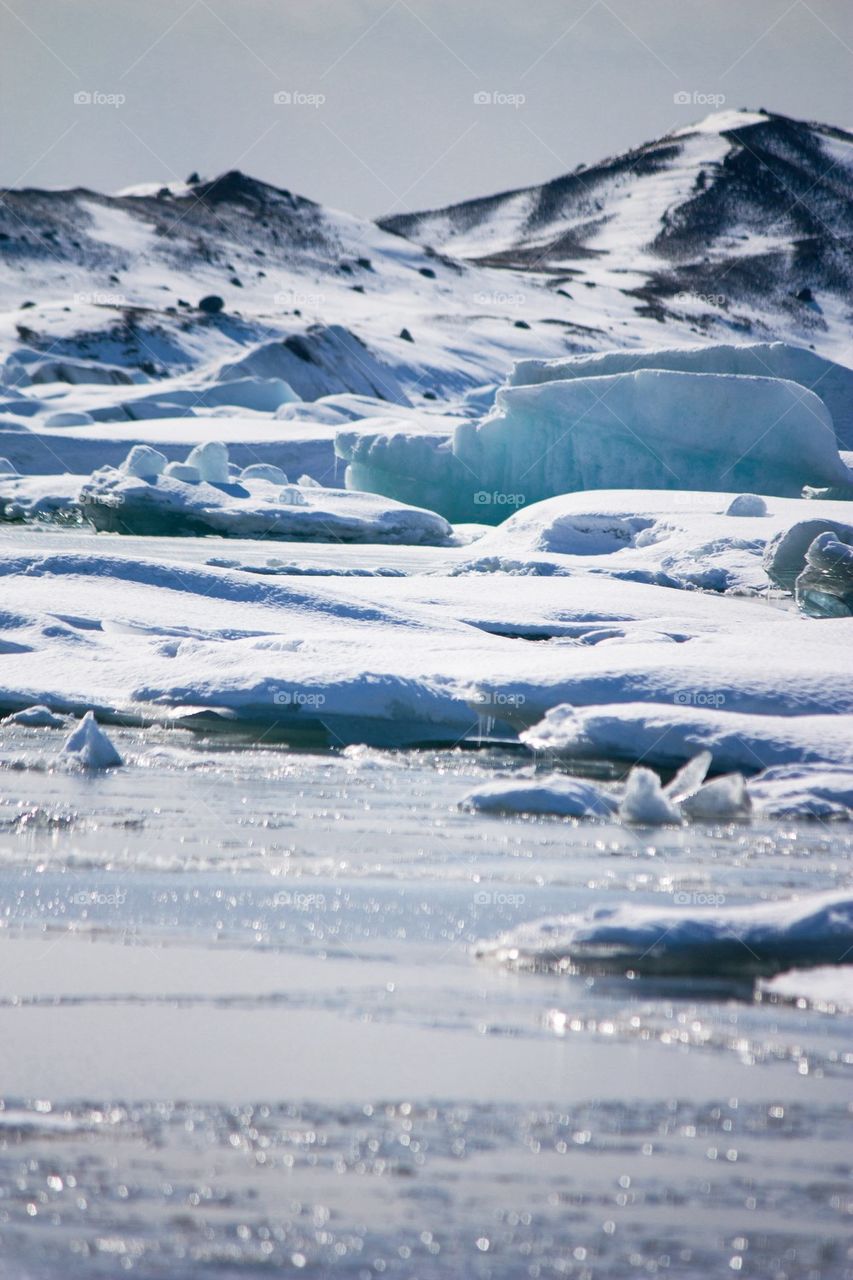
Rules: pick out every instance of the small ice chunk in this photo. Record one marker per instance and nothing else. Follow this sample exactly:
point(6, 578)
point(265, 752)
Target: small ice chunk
point(264, 471)
point(183, 471)
point(557, 795)
point(91, 745)
point(292, 496)
point(7, 468)
point(308, 482)
point(785, 554)
point(68, 418)
point(747, 504)
point(644, 801)
point(38, 717)
point(144, 463)
point(825, 587)
point(722, 799)
point(689, 777)
point(211, 459)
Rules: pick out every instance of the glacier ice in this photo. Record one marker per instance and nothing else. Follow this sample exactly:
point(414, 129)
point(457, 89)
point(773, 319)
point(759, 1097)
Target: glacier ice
point(649, 429)
point(832, 382)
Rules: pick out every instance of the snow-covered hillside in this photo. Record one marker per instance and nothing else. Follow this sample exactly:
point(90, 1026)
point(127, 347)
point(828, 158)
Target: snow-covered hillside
point(740, 222)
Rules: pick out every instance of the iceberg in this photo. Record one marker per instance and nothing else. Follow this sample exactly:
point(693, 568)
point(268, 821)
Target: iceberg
point(832, 382)
point(741, 942)
point(649, 429)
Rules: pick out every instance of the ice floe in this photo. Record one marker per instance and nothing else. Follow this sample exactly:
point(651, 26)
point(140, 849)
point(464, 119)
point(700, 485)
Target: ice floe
point(147, 496)
point(742, 942)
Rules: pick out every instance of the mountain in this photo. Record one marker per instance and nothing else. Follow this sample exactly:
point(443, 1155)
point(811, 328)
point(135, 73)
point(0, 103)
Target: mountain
point(745, 219)
point(734, 229)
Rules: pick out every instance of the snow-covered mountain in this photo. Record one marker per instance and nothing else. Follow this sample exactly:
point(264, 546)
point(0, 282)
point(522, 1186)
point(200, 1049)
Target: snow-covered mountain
point(735, 229)
point(744, 219)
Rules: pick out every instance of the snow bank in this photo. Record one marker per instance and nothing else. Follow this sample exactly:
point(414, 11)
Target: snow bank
point(797, 791)
point(832, 382)
point(643, 430)
point(91, 746)
point(743, 942)
point(200, 497)
point(674, 538)
point(666, 736)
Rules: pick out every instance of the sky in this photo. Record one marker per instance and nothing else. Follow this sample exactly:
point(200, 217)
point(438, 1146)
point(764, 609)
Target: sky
point(381, 106)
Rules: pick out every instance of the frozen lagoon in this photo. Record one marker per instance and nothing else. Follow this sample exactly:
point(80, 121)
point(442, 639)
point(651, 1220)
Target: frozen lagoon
point(242, 1021)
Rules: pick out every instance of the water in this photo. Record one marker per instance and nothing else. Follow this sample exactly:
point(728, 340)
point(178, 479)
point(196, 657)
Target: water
point(242, 1030)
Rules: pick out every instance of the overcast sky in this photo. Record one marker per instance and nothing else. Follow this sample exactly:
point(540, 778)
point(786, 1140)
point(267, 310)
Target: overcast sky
point(383, 113)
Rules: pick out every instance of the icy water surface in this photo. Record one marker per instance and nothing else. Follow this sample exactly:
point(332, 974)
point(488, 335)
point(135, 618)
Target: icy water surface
point(242, 1031)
